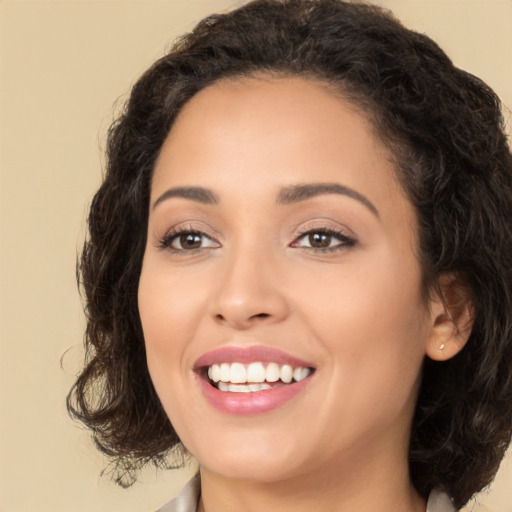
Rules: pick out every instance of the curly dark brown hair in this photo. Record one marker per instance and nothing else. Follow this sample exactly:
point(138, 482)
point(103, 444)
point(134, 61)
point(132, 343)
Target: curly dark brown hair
point(446, 131)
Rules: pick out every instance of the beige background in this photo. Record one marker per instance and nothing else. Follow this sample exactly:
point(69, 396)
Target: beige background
point(63, 64)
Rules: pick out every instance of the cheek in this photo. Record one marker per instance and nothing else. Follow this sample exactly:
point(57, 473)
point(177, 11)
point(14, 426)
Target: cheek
point(169, 301)
point(363, 295)
point(371, 320)
point(170, 309)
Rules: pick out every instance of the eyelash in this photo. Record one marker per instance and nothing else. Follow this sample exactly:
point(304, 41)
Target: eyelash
point(345, 241)
point(168, 239)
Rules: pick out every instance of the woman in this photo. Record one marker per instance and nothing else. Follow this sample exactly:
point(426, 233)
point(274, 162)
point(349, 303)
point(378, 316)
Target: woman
point(299, 268)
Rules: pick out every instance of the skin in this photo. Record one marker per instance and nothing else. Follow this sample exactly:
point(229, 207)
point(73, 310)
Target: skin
point(356, 312)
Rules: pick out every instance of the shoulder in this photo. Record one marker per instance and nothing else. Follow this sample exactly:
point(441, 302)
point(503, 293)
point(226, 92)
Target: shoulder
point(187, 499)
point(440, 502)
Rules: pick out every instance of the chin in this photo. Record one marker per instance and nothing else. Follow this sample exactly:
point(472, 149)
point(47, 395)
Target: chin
point(251, 460)
point(257, 471)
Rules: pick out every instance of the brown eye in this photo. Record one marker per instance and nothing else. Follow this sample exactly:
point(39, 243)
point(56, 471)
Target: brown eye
point(319, 240)
point(183, 241)
point(324, 240)
point(189, 241)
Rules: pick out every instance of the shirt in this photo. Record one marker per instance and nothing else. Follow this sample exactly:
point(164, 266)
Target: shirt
point(188, 499)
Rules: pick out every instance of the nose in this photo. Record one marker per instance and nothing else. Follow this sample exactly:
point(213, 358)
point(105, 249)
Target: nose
point(249, 292)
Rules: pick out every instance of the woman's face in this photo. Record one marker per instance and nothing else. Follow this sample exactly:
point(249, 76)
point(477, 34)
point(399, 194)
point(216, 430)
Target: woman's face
point(281, 246)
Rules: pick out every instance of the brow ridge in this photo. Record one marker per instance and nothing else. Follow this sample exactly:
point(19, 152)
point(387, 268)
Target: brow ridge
point(297, 193)
point(199, 194)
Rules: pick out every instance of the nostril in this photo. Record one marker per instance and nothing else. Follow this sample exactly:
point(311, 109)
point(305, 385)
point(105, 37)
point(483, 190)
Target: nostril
point(245, 321)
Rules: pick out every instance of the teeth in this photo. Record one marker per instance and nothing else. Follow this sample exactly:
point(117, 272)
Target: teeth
point(238, 373)
point(300, 373)
point(259, 387)
point(255, 374)
point(286, 373)
point(214, 373)
point(224, 372)
point(240, 388)
point(273, 373)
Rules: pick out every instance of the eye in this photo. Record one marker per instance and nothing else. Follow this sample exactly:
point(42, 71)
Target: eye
point(324, 240)
point(187, 240)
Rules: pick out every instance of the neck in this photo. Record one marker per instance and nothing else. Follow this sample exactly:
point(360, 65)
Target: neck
point(361, 489)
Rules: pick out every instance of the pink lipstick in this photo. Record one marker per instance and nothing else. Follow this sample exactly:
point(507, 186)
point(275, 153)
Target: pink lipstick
point(251, 380)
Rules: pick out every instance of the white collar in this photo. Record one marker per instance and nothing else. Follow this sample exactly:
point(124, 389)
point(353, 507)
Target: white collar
point(188, 499)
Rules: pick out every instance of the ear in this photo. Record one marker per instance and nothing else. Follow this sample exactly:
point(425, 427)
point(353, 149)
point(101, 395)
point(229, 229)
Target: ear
point(451, 316)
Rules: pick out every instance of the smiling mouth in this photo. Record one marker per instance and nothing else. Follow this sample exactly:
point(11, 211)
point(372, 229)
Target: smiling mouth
point(249, 378)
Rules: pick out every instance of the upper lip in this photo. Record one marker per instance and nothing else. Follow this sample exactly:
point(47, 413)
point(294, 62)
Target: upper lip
point(250, 354)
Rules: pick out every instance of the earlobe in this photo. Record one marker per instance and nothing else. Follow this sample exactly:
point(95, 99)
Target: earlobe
point(451, 320)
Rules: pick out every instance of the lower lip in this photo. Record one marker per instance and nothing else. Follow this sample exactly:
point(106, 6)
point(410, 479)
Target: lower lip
point(255, 402)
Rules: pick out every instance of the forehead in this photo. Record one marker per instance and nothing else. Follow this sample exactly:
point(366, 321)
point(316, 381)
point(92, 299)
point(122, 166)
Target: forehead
point(288, 104)
point(267, 132)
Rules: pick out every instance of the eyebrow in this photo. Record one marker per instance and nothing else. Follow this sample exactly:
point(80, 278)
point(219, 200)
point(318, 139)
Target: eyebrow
point(287, 195)
point(297, 193)
point(199, 194)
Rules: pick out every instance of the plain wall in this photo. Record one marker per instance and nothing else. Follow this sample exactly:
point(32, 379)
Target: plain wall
point(63, 65)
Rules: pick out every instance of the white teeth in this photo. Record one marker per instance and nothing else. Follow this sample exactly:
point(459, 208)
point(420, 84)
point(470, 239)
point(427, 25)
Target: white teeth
point(224, 372)
point(286, 373)
point(214, 373)
point(259, 387)
point(273, 373)
point(236, 388)
point(300, 373)
point(255, 374)
point(240, 388)
point(238, 373)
